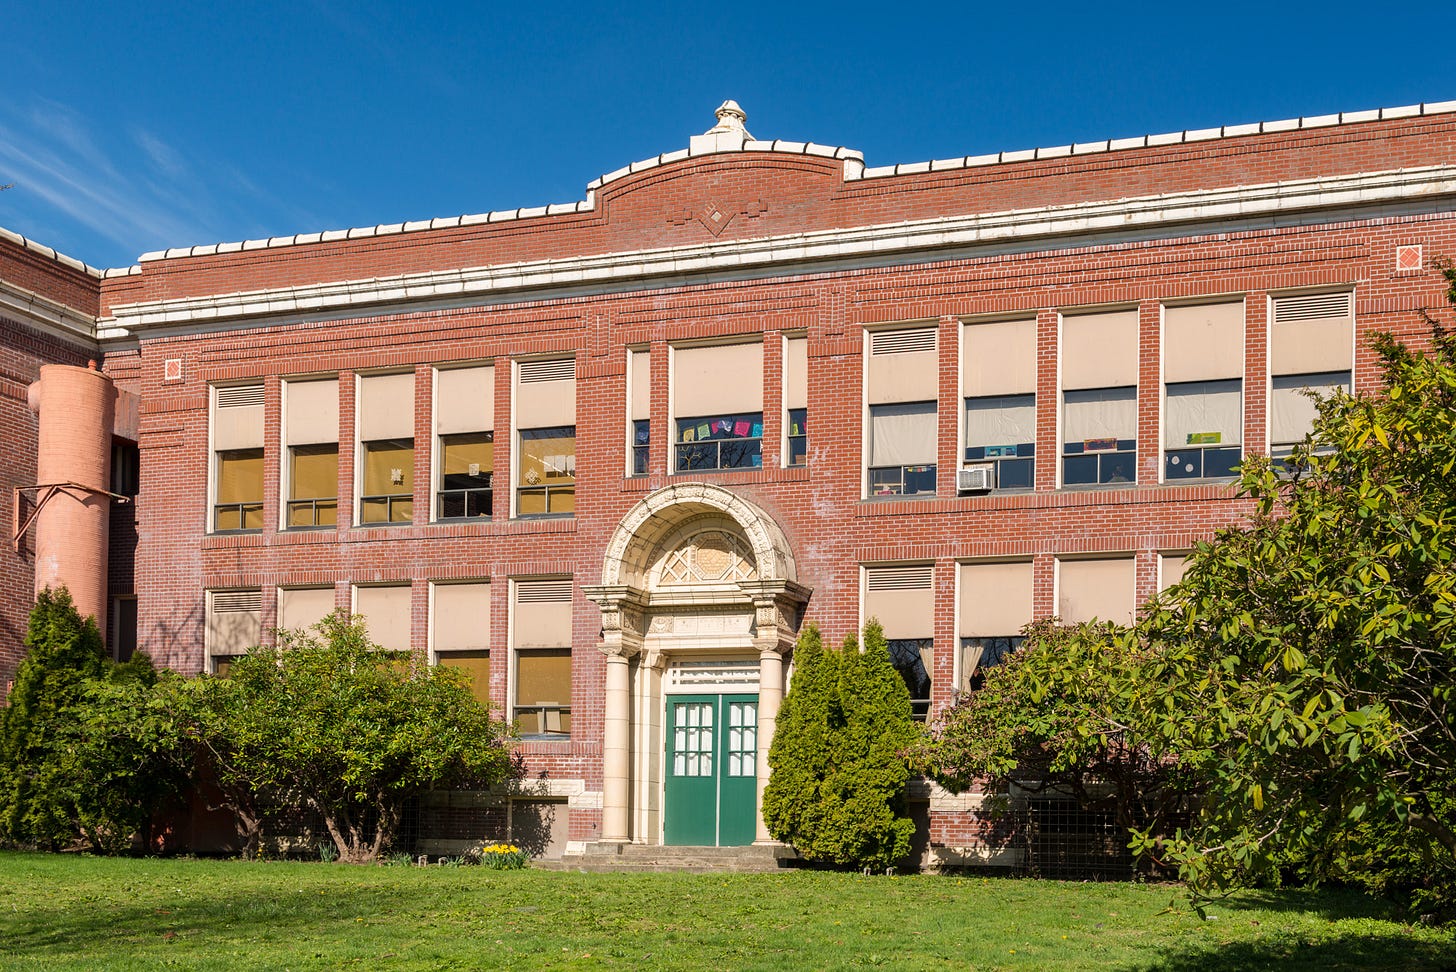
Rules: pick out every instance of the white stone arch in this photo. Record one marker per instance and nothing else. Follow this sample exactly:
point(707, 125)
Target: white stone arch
point(632, 550)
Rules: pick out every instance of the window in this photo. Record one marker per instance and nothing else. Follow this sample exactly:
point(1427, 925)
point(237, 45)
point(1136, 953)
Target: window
point(902, 366)
point(995, 604)
point(998, 379)
point(465, 446)
point(125, 468)
point(387, 449)
point(718, 407)
point(311, 432)
point(1203, 394)
point(300, 608)
point(460, 632)
point(1099, 398)
point(546, 456)
point(1096, 590)
point(796, 401)
point(541, 643)
point(902, 599)
point(123, 628)
point(1170, 570)
point(237, 442)
point(639, 411)
point(233, 626)
point(386, 614)
point(1311, 346)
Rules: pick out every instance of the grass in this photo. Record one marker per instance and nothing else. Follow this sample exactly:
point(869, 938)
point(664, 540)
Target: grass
point(65, 912)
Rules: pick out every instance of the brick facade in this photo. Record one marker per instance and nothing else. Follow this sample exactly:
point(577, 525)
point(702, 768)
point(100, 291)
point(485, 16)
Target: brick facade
point(180, 308)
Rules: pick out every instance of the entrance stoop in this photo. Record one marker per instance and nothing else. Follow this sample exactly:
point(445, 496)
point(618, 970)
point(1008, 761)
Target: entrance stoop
point(750, 859)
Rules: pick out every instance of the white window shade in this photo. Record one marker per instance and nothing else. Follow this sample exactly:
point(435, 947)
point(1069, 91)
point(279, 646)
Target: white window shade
point(386, 407)
point(1001, 420)
point(542, 614)
point(1096, 589)
point(717, 380)
point(311, 412)
point(546, 394)
point(1204, 342)
point(1109, 413)
point(465, 400)
point(902, 599)
point(1170, 570)
point(998, 358)
point(461, 621)
point(234, 621)
point(1194, 412)
point(1291, 411)
point(1100, 350)
point(302, 608)
point(796, 372)
point(903, 435)
point(237, 417)
point(639, 376)
point(1312, 333)
point(904, 365)
point(995, 599)
point(386, 612)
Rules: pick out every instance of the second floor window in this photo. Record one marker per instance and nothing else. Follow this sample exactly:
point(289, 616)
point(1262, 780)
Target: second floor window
point(466, 464)
point(798, 437)
point(237, 459)
point(1099, 437)
point(902, 449)
point(1001, 430)
point(389, 482)
point(546, 480)
point(719, 442)
point(311, 470)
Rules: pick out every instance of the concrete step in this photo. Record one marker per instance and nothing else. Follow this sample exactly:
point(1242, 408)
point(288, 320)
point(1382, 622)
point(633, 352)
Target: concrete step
point(656, 858)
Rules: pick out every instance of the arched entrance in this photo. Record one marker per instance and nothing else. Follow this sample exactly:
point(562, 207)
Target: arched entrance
point(699, 605)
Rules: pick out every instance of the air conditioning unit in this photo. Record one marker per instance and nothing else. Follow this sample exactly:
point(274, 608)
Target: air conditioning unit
point(976, 479)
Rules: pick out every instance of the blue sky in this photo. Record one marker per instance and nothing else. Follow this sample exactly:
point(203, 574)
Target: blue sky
point(128, 128)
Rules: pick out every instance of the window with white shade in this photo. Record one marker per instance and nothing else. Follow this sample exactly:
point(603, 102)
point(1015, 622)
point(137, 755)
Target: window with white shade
point(717, 407)
point(460, 632)
point(1203, 392)
point(1311, 347)
point(796, 400)
point(233, 626)
point(639, 411)
point(386, 439)
point(901, 383)
point(300, 608)
point(1101, 589)
point(998, 380)
point(902, 599)
point(545, 407)
point(237, 464)
point(995, 605)
point(541, 651)
point(1099, 356)
point(311, 469)
point(465, 442)
point(386, 613)
point(1170, 569)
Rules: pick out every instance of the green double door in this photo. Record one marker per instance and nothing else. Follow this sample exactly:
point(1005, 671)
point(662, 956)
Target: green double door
point(712, 770)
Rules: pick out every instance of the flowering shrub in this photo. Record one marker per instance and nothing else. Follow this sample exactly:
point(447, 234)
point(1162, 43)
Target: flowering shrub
point(502, 857)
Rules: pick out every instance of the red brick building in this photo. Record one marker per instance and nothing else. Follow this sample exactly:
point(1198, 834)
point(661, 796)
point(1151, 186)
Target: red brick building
point(610, 455)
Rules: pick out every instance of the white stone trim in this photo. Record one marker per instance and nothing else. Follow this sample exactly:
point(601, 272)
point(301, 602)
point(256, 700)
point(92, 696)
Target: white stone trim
point(46, 315)
point(865, 242)
point(854, 169)
point(42, 250)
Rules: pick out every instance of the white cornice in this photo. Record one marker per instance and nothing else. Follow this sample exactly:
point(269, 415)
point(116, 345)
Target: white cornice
point(46, 315)
point(756, 255)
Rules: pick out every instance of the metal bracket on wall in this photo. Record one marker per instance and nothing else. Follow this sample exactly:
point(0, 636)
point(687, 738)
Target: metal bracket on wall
point(43, 496)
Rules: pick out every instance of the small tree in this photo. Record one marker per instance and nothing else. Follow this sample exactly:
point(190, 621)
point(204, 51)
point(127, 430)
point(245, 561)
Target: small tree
point(330, 722)
point(838, 758)
point(37, 790)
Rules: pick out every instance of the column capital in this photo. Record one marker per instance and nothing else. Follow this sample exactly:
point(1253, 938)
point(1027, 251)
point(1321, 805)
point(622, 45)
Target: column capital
point(777, 608)
point(624, 618)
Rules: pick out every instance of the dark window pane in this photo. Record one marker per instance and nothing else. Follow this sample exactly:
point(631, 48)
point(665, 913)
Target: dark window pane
point(1118, 467)
point(1079, 470)
point(1015, 473)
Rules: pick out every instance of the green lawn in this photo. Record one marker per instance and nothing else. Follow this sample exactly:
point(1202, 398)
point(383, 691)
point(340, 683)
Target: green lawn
point(62, 912)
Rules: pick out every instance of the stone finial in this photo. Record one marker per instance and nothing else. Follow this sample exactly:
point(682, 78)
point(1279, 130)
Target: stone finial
point(726, 136)
point(731, 119)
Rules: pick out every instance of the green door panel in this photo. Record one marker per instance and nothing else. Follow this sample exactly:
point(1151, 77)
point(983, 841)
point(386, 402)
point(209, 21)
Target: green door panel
point(711, 790)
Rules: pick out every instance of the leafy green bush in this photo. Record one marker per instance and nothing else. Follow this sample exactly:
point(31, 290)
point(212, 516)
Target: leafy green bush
point(838, 758)
point(328, 722)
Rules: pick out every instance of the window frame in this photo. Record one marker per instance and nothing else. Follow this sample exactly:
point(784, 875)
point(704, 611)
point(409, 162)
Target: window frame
point(1206, 450)
point(519, 488)
point(1114, 454)
point(753, 444)
point(1023, 458)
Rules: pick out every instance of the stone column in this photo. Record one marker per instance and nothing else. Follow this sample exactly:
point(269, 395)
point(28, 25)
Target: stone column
point(776, 608)
point(770, 695)
point(622, 630)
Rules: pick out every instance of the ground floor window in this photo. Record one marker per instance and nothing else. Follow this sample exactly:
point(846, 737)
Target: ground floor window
point(911, 658)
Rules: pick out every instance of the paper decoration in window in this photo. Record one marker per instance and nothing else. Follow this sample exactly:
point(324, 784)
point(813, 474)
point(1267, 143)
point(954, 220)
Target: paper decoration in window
point(1205, 438)
point(1099, 445)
